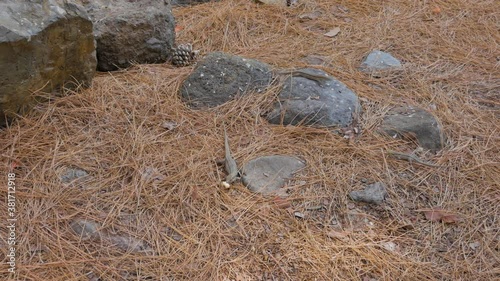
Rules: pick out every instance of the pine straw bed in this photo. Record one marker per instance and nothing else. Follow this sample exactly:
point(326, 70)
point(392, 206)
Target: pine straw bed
point(201, 231)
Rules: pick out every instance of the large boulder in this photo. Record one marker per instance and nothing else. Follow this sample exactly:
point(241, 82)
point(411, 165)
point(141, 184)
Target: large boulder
point(220, 77)
point(43, 46)
point(131, 31)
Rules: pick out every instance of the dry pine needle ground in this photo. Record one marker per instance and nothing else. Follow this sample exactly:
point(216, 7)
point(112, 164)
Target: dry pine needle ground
point(200, 231)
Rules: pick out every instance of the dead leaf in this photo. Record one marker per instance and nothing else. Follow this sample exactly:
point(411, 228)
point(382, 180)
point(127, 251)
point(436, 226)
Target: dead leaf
point(336, 234)
point(169, 125)
point(342, 8)
point(333, 32)
point(281, 203)
point(438, 214)
point(178, 28)
point(474, 245)
point(390, 246)
point(14, 164)
point(194, 193)
point(436, 10)
point(317, 60)
point(299, 215)
point(310, 16)
point(129, 243)
point(152, 174)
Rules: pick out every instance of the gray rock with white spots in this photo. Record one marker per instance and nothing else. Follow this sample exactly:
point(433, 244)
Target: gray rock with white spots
point(220, 77)
point(314, 98)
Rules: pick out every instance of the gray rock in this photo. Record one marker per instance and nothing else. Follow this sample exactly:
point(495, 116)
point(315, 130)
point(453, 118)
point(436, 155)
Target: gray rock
point(268, 174)
point(414, 123)
point(373, 193)
point(220, 77)
point(131, 31)
point(43, 46)
point(324, 102)
point(73, 174)
point(86, 229)
point(379, 61)
point(128, 243)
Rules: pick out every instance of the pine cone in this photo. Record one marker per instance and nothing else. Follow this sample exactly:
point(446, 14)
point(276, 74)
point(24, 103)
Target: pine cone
point(184, 55)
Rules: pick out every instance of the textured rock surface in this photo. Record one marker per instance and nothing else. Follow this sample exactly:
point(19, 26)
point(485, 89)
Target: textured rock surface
point(320, 103)
point(269, 173)
point(43, 46)
point(220, 77)
point(131, 31)
point(373, 193)
point(414, 123)
point(379, 61)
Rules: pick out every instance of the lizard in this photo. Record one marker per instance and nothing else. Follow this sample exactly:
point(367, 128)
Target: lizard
point(307, 73)
point(230, 163)
point(411, 158)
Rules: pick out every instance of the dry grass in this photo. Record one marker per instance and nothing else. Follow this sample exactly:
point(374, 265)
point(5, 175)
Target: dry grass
point(200, 231)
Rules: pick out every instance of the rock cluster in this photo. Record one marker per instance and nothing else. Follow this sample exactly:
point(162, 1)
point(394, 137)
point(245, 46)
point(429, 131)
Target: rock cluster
point(46, 45)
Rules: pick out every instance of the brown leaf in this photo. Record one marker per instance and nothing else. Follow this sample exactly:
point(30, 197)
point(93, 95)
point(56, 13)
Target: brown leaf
point(14, 164)
point(438, 214)
point(169, 125)
point(336, 234)
point(333, 32)
point(281, 203)
point(451, 218)
point(316, 60)
point(178, 28)
point(310, 16)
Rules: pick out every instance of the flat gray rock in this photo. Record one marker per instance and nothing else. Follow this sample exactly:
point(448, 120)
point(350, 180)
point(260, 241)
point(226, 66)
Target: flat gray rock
point(314, 98)
point(220, 77)
point(414, 123)
point(88, 230)
point(373, 194)
point(268, 174)
point(72, 174)
point(379, 61)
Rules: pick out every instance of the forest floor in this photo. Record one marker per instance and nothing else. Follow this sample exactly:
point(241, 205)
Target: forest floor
point(153, 172)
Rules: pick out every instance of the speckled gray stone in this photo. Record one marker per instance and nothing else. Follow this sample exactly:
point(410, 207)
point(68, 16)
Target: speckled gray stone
point(324, 102)
point(220, 77)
